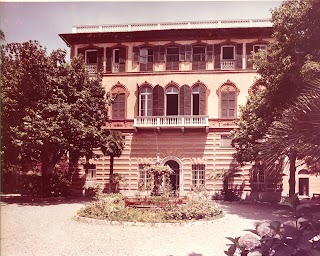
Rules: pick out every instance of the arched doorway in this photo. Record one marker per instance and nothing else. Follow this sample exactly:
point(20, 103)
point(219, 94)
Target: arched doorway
point(174, 178)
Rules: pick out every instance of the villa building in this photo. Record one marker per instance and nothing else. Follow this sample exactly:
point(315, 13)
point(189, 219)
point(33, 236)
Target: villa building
point(179, 86)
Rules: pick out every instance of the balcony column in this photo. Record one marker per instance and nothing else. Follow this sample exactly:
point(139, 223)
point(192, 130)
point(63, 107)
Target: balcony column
point(104, 61)
point(244, 63)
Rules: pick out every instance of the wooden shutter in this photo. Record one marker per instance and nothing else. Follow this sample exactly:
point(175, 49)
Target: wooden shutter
point(182, 53)
point(188, 53)
point(135, 53)
point(239, 56)
point(202, 99)
point(209, 52)
point(109, 59)
point(185, 100)
point(118, 107)
point(122, 59)
point(158, 101)
point(156, 53)
point(100, 59)
point(217, 56)
point(249, 49)
point(82, 52)
point(224, 104)
point(162, 53)
point(232, 104)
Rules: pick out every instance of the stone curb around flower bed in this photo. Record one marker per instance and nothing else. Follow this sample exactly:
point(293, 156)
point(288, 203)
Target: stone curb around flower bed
point(147, 224)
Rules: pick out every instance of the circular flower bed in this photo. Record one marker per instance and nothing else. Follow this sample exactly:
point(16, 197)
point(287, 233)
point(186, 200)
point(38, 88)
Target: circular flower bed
point(115, 207)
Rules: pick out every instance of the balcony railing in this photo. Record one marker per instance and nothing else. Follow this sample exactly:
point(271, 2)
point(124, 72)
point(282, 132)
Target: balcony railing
point(171, 121)
point(172, 25)
point(92, 68)
point(227, 65)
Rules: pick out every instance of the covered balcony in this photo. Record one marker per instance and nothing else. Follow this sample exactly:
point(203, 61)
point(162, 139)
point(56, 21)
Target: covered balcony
point(171, 122)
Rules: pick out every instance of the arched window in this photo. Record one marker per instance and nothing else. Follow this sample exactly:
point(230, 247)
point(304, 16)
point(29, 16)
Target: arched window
point(172, 97)
point(199, 99)
point(228, 94)
point(119, 106)
point(145, 101)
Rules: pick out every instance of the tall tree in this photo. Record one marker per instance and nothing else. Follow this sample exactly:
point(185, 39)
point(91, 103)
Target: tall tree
point(290, 63)
point(112, 145)
point(49, 107)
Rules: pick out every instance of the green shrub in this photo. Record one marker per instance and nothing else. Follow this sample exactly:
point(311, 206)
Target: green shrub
point(192, 210)
point(113, 207)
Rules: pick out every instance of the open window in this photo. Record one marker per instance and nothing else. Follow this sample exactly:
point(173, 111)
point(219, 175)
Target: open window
point(172, 99)
point(146, 101)
point(172, 58)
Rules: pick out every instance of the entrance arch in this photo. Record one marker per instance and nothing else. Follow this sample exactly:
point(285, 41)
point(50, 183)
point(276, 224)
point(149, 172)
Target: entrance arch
point(175, 178)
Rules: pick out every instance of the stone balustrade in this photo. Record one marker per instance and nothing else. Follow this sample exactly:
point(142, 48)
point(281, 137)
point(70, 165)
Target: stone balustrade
point(172, 25)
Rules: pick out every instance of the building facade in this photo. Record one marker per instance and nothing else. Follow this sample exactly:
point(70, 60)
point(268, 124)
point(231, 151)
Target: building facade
point(179, 87)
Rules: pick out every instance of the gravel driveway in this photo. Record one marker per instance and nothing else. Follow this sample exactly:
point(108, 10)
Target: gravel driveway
point(49, 228)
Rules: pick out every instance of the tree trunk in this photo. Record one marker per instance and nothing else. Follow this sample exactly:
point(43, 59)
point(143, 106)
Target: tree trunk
point(292, 170)
point(45, 192)
point(111, 173)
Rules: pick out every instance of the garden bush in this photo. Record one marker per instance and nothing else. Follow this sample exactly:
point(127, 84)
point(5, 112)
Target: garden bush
point(113, 207)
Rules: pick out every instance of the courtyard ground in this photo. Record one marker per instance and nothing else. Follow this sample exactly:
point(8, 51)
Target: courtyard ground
point(40, 228)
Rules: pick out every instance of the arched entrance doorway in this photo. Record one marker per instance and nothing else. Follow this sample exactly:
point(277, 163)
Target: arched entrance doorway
point(174, 178)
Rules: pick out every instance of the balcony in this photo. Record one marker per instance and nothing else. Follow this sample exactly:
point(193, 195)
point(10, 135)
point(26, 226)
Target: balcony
point(228, 65)
point(171, 121)
point(92, 68)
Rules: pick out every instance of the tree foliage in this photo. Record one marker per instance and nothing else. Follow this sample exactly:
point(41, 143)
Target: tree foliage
point(279, 115)
point(49, 107)
point(290, 62)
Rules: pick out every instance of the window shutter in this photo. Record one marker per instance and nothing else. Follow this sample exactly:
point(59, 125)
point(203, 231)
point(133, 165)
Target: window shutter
point(162, 52)
point(232, 104)
point(158, 101)
point(135, 53)
point(182, 52)
point(156, 53)
point(185, 100)
point(100, 59)
point(82, 52)
point(122, 59)
point(188, 53)
point(249, 49)
point(202, 99)
point(217, 56)
point(118, 107)
point(109, 59)
point(239, 56)
point(209, 52)
point(224, 104)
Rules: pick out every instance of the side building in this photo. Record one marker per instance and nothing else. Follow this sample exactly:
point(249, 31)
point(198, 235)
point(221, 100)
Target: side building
point(179, 86)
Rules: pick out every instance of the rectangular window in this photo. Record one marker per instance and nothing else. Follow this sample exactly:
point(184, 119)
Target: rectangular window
point(172, 58)
point(258, 178)
point(158, 53)
point(258, 47)
point(91, 57)
point(185, 53)
point(144, 178)
point(198, 175)
point(146, 59)
point(116, 56)
point(90, 171)
point(228, 52)
point(225, 141)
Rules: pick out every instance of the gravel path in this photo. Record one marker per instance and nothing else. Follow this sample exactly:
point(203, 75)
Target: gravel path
point(49, 228)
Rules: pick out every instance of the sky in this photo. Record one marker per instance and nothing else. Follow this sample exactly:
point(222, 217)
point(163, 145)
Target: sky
point(44, 21)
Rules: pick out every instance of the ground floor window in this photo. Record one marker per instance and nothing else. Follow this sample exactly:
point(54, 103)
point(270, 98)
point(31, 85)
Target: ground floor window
point(90, 171)
point(262, 181)
point(198, 175)
point(144, 178)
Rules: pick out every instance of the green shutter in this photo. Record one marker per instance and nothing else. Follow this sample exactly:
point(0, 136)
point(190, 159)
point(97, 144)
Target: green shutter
point(158, 101)
point(100, 59)
point(209, 52)
point(109, 59)
point(185, 100)
point(239, 56)
point(249, 49)
point(217, 56)
point(202, 99)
